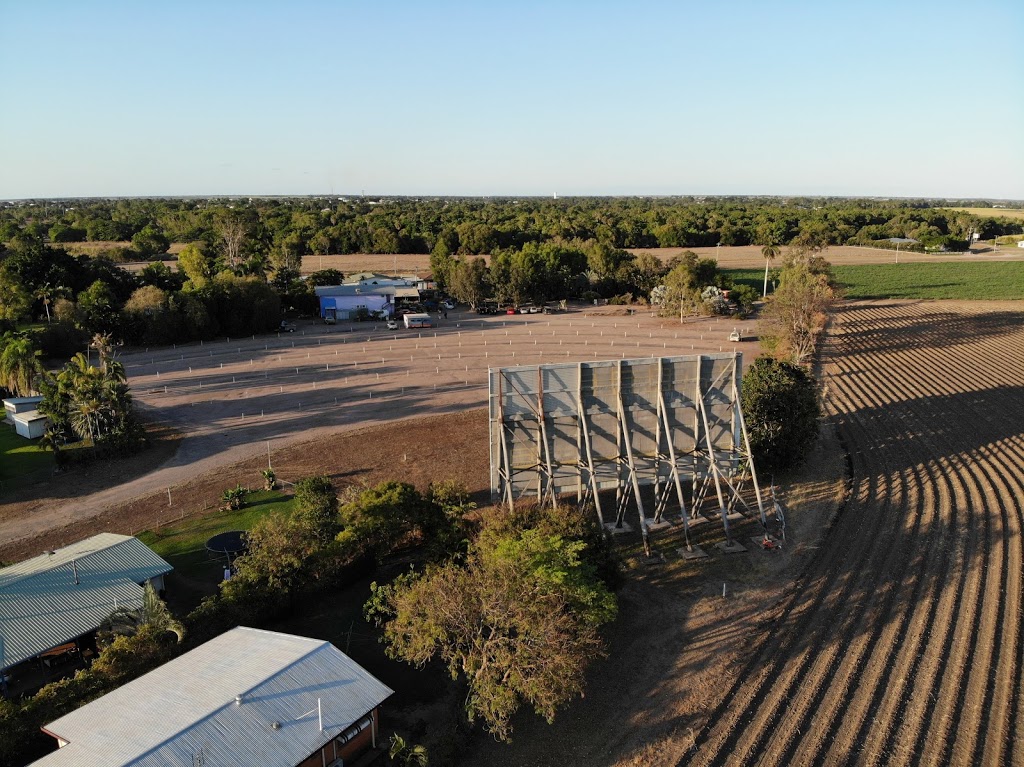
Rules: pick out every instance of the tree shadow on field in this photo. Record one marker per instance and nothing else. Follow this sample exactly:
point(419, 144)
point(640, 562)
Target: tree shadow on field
point(891, 558)
point(917, 430)
point(858, 328)
point(930, 495)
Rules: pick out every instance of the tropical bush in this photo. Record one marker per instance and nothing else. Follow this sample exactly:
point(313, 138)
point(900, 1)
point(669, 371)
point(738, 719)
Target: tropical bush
point(780, 406)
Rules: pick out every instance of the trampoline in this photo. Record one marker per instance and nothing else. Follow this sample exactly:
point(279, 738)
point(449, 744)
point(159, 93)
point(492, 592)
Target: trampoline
point(230, 545)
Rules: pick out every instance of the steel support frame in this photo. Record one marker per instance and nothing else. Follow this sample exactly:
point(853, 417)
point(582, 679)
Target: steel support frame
point(707, 465)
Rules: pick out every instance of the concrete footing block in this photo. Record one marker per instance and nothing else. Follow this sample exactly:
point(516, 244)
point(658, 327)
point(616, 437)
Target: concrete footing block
point(656, 558)
point(615, 530)
point(731, 548)
point(694, 552)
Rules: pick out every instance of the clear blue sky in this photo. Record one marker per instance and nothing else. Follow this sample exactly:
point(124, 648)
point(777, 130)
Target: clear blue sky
point(826, 97)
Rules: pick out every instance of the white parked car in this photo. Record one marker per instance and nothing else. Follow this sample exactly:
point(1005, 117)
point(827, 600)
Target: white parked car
point(392, 324)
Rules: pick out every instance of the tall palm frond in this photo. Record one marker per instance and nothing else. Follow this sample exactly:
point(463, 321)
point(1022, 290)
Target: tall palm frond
point(770, 251)
point(20, 366)
point(126, 621)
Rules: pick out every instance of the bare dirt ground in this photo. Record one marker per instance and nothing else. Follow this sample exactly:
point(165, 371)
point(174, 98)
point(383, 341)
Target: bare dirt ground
point(229, 399)
point(742, 257)
point(749, 256)
point(896, 638)
point(900, 642)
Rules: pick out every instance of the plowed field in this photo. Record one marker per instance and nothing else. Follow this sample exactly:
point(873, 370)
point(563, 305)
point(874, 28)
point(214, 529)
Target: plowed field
point(901, 643)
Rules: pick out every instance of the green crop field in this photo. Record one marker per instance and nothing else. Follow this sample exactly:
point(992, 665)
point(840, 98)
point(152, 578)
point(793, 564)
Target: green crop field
point(969, 281)
point(21, 460)
point(953, 280)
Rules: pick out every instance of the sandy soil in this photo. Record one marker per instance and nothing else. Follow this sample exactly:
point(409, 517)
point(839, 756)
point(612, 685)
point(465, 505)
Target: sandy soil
point(677, 640)
point(900, 643)
point(231, 400)
point(894, 638)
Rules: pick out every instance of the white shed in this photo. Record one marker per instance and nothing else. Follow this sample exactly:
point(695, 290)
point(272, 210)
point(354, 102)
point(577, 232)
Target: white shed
point(14, 405)
point(30, 425)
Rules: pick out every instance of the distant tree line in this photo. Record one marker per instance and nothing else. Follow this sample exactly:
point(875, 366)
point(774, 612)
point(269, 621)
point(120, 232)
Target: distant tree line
point(277, 232)
point(76, 297)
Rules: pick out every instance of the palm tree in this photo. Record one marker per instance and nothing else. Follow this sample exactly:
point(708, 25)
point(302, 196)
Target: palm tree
point(104, 344)
point(125, 621)
point(770, 251)
point(20, 368)
point(85, 417)
point(45, 292)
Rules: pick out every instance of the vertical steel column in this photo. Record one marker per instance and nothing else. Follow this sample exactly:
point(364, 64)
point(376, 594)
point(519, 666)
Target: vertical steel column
point(697, 396)
point(675, 470)
point(503, 446)
point(657, 432)
point(713, 465)
point(624, 429)
point(619, 501)
point(546, 449)
point(750, 459)
point(579, 435)
point(590, 454)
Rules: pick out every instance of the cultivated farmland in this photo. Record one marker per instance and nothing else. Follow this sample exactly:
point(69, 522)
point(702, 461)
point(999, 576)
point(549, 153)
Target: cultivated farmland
point(901, 641)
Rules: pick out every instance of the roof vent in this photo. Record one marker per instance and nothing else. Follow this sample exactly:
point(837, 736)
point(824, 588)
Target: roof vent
point(238, 700)
point(275, 726)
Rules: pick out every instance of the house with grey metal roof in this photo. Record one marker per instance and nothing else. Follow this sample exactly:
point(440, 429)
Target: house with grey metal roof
point(55, 598)
point(247, 697)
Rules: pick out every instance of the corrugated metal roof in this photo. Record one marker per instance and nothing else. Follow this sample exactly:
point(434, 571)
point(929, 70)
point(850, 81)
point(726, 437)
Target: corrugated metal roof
point(42, 606)
point(354, 290)
point(185, 710)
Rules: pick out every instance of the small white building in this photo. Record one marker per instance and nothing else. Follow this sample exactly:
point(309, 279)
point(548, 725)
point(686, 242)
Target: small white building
point(15, 405)
point(1020, 243)
point(31, 424)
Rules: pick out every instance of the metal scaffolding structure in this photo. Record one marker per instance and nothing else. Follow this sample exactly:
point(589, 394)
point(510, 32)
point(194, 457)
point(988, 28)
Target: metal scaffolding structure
point(621, 425)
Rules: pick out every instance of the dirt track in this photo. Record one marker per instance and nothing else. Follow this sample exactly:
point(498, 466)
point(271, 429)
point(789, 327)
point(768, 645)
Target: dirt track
point(901, 642)
point(230, 398)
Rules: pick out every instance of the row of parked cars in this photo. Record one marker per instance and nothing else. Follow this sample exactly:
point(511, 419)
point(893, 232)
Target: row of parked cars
point(522, 309)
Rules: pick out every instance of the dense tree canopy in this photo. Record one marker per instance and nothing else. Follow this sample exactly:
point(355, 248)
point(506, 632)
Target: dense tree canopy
point(780, 405)
point(517, 620)
point(287, 229)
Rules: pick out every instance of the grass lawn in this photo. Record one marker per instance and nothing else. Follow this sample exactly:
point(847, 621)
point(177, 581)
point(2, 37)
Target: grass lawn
point(21, 460)
point(196, 574)
point(952, 280)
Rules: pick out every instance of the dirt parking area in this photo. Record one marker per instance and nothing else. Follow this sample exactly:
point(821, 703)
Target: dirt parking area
point(236, 400)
